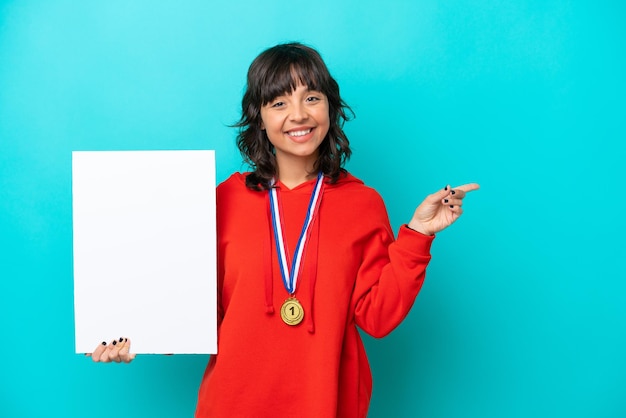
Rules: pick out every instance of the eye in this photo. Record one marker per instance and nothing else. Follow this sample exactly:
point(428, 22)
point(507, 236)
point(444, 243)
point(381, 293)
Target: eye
point(313, 99)
point(278, 104)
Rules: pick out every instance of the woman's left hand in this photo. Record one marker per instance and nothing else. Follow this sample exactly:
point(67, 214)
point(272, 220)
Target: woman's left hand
point(440, 209)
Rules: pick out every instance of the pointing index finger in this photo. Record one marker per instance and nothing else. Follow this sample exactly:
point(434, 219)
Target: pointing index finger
point(468, 187)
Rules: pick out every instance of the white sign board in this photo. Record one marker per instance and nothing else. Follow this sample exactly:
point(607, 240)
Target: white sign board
point(145, 250)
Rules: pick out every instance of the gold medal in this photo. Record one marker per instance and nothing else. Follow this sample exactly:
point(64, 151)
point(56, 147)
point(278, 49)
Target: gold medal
point(291, 312)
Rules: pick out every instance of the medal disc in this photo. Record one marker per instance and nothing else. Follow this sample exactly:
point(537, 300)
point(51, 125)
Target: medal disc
point(291, 312)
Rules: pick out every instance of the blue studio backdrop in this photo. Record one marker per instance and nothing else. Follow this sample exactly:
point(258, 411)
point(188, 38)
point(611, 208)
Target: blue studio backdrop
point(522, 313)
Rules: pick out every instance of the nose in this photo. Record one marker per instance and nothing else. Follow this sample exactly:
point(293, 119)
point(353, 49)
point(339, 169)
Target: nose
point(298, 112)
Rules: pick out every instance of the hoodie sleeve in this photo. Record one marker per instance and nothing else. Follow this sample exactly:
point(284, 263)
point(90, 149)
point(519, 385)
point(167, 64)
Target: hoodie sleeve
point(390, 275)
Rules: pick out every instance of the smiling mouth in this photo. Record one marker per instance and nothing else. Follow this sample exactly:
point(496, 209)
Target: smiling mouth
point(300, 133)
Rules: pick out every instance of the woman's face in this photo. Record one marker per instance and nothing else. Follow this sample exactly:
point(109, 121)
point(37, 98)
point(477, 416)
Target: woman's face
point(296, 124)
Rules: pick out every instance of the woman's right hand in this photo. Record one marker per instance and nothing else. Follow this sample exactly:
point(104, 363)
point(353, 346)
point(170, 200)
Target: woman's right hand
point(117, 351)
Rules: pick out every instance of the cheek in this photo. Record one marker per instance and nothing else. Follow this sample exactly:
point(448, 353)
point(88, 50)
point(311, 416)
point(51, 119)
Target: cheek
point(325, 122)
point(272, 137)
point(271, 124)
point(325, 115)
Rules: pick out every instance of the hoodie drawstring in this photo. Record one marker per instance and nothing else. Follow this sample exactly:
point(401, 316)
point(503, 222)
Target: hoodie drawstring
point(312, 258)
point(267, 262)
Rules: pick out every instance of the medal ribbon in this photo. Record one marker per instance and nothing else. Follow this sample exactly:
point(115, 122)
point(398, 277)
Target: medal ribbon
point(290, 276)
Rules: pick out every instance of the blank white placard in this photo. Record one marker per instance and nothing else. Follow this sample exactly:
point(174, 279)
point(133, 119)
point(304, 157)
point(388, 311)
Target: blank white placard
point(145, 250)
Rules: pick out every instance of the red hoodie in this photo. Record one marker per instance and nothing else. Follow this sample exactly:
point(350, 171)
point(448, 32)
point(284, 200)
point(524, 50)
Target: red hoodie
point(353, 273)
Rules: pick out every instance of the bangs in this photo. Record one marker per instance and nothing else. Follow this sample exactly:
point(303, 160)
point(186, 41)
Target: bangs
point(284, 76)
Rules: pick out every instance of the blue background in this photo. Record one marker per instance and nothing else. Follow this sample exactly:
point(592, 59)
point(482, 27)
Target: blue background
point(523, 310)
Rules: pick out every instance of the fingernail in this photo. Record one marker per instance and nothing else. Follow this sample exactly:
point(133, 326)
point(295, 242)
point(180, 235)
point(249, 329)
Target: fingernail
point(125, 339)
point(445, 188)
point(104, 343)
point(445, 200)
point(451, 207)
point(121, 339)
point(114, 342)
point(452, 192)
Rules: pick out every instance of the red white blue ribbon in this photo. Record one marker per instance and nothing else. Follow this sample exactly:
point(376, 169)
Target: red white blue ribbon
point(290, 275)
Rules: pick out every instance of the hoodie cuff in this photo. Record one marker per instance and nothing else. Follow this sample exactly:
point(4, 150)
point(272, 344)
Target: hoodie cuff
point(414, 241)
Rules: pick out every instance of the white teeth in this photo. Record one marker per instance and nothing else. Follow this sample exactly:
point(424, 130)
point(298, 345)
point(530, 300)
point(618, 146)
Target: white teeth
point(299, 133)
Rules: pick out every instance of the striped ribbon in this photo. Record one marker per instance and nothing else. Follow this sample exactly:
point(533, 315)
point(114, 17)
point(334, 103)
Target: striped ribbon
point(290, 275)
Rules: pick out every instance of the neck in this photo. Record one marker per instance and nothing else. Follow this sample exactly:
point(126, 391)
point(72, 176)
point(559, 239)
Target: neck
point(292, 180)
point(293, 173)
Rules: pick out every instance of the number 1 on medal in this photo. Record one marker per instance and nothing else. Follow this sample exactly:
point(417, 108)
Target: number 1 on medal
point(291, 312)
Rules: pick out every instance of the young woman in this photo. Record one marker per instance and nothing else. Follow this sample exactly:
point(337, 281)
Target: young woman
point(305, 255)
